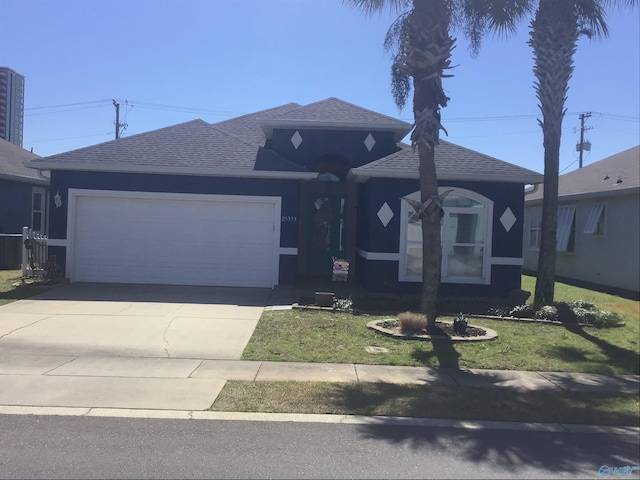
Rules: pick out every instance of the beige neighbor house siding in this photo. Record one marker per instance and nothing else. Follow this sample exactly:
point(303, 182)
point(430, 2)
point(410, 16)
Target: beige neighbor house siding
point(610, 256)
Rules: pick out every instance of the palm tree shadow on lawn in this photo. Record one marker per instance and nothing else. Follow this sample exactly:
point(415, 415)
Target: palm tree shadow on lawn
point(617, 356)
point(443, 349)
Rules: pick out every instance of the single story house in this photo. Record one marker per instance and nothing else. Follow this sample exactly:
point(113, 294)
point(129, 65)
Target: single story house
point(23, 191)
point(23, 194)
point(598, 232)
point(274, 197)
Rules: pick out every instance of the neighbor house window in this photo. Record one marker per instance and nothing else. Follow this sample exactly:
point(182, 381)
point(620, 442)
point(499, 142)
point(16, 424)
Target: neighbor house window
point(595, 222)
point(535, 227)
point(566, 231)
point(37, 209)
point(465, 234)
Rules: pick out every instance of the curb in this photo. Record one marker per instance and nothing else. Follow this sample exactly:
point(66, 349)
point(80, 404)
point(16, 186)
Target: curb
point(316, 418)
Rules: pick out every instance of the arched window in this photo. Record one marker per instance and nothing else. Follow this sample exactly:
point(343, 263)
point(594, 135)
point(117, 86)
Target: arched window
point(466, 239)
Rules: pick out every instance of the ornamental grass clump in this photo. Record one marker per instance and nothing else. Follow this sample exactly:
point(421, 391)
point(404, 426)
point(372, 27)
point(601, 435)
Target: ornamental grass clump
point(411, 322)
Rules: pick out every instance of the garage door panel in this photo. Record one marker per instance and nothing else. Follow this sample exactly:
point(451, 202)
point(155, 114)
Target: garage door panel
point(204, 241)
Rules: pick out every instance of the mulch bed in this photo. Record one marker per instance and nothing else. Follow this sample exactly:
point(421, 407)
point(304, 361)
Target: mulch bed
point(441, 330)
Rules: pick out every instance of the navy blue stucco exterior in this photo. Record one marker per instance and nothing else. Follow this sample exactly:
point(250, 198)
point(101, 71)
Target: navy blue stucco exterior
point(15, 206)
point(346, 143)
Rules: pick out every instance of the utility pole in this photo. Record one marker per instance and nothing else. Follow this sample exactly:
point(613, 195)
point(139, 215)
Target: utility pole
point(118, 124)
point(582, 146)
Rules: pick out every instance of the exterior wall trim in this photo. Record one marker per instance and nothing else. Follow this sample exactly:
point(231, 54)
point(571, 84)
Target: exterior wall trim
point(185, 170)
point(288, 251)
point(507, 261)
point(388, 257)
point(57, 242)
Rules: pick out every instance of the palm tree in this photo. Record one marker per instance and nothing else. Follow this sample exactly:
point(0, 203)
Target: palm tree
point(421, 42)
point(554, 34)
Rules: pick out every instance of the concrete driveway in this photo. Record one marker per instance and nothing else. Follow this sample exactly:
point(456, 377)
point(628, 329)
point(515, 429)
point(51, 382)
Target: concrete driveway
point(155, 321)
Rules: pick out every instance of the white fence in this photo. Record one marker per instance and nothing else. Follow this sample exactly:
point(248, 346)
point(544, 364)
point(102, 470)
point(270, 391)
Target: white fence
point(35, 257)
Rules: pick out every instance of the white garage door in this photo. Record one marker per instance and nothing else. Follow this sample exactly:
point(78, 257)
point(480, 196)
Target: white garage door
point(123, 237)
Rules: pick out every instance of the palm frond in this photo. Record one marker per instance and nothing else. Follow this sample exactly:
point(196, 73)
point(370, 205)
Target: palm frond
point(371, 7)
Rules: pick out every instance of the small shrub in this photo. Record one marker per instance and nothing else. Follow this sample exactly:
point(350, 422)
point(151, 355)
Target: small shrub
point(523, 311)
point(460, 323)
point(547, 312)
point(582, 304)
point(412, 322)
point(498, 312)
point(606, 319)
point(343, 304)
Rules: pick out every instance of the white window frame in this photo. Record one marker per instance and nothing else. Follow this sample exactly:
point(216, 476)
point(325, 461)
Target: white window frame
point(485, 278)
point(534, 225)
point(565, 228)
point(596, 221)
point(41, 208)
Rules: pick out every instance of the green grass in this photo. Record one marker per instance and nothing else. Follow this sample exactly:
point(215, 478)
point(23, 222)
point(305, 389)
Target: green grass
point(429, 401)
point(9, 293)
point(336, 337)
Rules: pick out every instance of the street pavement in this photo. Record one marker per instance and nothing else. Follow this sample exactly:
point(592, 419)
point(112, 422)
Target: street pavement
point(168, 351)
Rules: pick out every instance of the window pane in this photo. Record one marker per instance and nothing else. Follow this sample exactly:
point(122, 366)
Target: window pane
point(37, 221)
point(414, 260)
point(595, 217)
point(464, 261)
point(466, 228)
point(414, 231)
point(37, 202)
point(566, 227)
point(461, 202)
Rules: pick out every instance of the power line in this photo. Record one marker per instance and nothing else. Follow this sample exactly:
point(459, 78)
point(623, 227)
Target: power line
point(69, 104)
point(71, 138)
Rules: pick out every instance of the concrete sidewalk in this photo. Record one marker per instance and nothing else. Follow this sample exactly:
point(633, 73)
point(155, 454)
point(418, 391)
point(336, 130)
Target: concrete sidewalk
point(193, 384)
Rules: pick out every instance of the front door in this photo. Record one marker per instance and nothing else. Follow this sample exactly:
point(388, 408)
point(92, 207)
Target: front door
point(328, 228)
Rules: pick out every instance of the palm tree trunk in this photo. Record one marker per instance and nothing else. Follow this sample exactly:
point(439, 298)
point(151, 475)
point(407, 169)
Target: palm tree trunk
point(430, 55)
point(431, 236)
point(554, 36)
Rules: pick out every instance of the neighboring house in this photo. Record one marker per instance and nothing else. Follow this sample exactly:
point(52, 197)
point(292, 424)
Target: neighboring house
point(23, 191)
point(598, 239)
point(273, 197)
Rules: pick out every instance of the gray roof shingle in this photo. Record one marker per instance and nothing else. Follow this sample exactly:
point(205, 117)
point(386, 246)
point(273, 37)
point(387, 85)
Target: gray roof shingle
point(191, 145)
point(453, 162)
point(247, 126)
point(600, 177)
point(12, 164)
point(235, 148)
point(337, 113)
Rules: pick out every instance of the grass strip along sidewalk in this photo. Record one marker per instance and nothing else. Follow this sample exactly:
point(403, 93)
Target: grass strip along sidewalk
point(341, 337)
point(429, 401)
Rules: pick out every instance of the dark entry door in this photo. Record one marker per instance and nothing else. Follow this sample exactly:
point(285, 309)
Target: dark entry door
point(327, 227)
point(326, 231)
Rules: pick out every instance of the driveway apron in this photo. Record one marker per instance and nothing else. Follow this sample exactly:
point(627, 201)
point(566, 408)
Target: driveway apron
point(109, 320)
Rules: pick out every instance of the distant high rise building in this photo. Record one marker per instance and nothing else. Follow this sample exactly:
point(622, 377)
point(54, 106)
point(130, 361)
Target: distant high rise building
point(11, 105)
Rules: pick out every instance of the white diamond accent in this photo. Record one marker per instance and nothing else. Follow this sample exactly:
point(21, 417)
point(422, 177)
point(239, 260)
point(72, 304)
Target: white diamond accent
point(385, 214)
point(508, 219)
point(369, 142)
point(296, 140)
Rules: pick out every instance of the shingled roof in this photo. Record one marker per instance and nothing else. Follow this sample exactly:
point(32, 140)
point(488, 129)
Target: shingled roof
point(453, 162)
point(235, 147)
point(12, 164)
point(619, 173)
point(335, 113)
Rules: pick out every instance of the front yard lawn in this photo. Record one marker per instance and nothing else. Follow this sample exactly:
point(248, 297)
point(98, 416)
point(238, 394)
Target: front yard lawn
point(339, 337)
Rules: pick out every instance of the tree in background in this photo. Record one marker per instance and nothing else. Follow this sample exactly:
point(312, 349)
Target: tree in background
point(554, 34)
point(421, 42)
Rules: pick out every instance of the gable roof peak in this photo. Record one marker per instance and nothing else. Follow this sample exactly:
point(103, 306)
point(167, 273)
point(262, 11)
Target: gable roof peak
point(334, 113)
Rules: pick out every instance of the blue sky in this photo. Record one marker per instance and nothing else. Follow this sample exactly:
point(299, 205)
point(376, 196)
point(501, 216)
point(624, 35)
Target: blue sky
point(170, 61)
